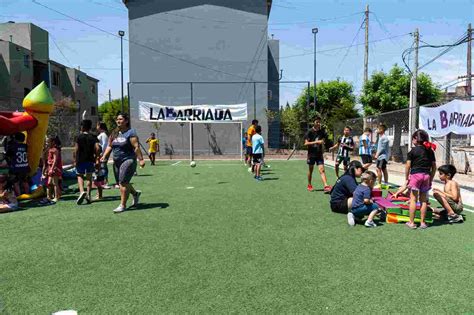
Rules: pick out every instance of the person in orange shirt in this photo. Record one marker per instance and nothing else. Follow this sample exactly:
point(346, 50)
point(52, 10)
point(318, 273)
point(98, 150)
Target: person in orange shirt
point(250, 132)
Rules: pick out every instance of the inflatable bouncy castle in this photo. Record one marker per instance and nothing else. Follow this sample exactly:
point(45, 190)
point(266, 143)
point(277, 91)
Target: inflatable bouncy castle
point(38, 106)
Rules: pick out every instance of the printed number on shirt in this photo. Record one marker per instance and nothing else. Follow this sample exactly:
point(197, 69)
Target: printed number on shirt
point(21, 157)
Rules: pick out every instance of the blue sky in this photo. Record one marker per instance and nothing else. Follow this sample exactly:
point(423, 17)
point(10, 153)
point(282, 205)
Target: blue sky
point(291, 21)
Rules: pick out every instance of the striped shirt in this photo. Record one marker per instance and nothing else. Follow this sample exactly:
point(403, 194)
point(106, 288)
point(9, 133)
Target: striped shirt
point(344, 142)
point(364, 150)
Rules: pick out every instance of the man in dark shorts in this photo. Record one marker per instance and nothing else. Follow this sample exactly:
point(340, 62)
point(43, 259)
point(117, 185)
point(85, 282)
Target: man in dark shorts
point(251, 131)
point(314, 140)
point(86, 154)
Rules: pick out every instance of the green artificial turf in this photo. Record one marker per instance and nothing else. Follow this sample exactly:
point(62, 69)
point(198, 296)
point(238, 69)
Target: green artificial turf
point(229, 244)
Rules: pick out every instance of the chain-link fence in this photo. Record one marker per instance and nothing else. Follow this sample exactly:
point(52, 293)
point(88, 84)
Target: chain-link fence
point(454, 149)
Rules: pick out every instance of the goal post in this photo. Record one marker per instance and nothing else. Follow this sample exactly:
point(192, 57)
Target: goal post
point(221, 124)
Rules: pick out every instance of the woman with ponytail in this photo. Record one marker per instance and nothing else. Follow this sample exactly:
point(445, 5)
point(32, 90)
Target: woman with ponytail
point(341, 194)
point(420, 170)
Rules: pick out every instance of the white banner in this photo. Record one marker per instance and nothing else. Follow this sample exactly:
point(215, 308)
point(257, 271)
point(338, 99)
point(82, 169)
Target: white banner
point(194, 113)
point(456, 117)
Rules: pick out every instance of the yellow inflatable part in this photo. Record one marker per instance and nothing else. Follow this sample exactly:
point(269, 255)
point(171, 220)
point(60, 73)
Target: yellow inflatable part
point(39, 104)
point(37, 193)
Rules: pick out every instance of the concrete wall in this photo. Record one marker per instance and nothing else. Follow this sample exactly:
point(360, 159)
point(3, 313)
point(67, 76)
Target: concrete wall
point(21, 75)
point(29, 36)
point(81, 85)
point(190, 30)
point(4, 75)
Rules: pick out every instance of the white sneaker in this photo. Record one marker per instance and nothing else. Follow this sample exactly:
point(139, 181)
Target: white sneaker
point(351, 219)
point(119, 209)
point(136, 198)
point(81, 198)
point(370, 224)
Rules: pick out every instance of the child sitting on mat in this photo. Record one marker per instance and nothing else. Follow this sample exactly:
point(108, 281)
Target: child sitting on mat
point(8, 201)
point(362, 203)
point(450, 199)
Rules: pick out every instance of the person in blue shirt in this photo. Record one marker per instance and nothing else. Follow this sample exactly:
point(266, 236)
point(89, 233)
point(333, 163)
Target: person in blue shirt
point(382, 156)
point(257, 151)
point(362, 203)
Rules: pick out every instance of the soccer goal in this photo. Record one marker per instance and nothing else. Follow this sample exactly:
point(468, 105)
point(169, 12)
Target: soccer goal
point(197, 131)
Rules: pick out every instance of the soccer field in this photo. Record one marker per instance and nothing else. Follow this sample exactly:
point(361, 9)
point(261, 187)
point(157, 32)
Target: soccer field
point(212, 239)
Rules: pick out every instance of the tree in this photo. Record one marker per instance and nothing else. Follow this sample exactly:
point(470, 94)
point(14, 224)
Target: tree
point(386, 92)
point(335, 102)
point(108, 111)
point(64, 121)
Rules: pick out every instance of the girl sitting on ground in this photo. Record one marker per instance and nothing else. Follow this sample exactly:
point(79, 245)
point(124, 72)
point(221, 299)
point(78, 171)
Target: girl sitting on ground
point(8, 201)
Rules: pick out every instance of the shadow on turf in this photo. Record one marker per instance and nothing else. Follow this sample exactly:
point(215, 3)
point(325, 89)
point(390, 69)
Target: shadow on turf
point(146, 206)
point(270, 178)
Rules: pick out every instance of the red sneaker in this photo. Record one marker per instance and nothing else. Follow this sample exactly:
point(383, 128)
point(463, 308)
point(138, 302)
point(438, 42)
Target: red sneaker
point(327, 189)
point(310, 187)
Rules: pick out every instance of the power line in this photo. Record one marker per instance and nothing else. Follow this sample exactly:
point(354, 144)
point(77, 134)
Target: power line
point(60, 51)
point(350, 46)
point(139, 44)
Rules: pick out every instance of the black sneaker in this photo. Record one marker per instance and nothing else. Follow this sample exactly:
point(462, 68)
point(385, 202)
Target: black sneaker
point(455, 218)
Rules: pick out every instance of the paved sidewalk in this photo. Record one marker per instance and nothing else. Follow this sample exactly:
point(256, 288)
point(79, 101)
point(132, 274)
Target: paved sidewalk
point(396, 175)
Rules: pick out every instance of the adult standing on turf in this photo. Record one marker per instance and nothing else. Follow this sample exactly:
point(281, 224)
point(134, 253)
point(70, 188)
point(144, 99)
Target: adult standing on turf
point(314, 140)
point(250, 133)
point(124, 144)
point(341, 194)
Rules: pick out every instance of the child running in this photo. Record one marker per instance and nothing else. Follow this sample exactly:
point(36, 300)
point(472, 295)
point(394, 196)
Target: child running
point(362, 203)
point(382, 156)
point(53, 169)
point(314, 140)
point(365, 145)
point(345, 145)
point(153, 147)
point(257, 152)
point(8, 201)
point(419, 172)
point(450, 198)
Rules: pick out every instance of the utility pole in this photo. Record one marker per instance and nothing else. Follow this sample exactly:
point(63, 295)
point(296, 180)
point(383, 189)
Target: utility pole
point(414, 88)
point(366, 57)
point(315, 31)
point(110, 97)
point(469, 62)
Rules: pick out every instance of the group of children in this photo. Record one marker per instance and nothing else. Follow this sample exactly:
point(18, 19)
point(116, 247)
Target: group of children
point(420, 171)
point(254, 150)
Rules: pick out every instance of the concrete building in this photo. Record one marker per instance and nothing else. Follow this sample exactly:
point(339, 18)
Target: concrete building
point(222, 46)
point(24, 63)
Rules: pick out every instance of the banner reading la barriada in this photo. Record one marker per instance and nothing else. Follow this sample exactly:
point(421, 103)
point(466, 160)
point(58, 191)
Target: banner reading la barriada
point(195, 113)
point(456, 117)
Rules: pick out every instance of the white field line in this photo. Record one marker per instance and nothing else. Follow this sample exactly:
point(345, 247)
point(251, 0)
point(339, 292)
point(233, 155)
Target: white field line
point(176, 163)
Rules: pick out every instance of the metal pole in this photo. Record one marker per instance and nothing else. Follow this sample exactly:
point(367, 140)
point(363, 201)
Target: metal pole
point(121, 67)
point(191, 131)
point(308, 95)
point(128, 101)
point(240, 143)
point(254, 100)
point(366, 56)
point(469, 62)
point(315, 31)
point(413, 91)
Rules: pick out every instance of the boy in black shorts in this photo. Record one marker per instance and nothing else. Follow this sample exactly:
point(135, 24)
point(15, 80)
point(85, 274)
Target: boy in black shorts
point(345, 144)
point(314, 140)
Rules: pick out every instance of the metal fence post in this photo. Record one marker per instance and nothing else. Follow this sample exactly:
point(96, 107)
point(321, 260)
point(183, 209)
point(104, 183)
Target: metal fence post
point(191, 131)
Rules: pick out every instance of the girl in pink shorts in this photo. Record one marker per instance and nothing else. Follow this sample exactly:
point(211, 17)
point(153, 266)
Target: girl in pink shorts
point(419, 172)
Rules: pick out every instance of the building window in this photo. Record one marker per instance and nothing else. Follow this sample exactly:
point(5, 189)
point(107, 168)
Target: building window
point(78, 80)
point(26, 61)
point(93, 88)
point(56, 78)
point(93, 111)
point(26, 91)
